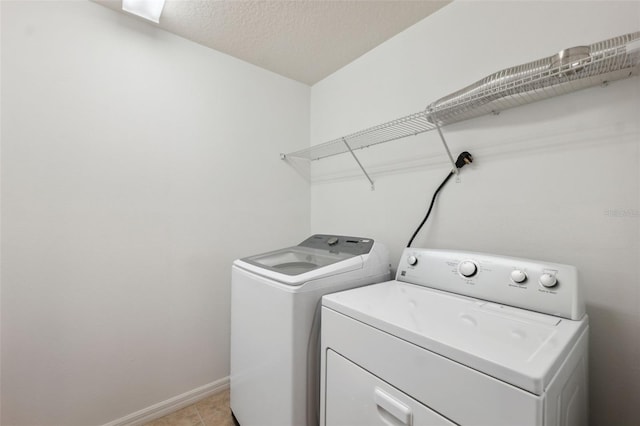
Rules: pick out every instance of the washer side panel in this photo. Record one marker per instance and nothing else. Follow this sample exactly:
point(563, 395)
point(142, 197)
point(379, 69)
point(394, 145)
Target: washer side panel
point(261, 352)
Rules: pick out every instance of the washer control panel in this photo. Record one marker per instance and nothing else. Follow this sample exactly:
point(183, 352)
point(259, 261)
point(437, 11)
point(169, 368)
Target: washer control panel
point(339, 244)
point(551, 288)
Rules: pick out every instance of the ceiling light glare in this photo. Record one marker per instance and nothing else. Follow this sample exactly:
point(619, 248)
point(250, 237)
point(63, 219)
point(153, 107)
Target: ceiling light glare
point(147, 9)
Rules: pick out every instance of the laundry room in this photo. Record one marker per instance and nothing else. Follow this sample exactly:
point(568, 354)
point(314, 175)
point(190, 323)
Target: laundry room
point(142, 172)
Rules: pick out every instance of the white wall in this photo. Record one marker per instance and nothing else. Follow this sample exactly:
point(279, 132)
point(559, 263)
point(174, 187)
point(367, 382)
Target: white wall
point(135, 167)
point(549, 177)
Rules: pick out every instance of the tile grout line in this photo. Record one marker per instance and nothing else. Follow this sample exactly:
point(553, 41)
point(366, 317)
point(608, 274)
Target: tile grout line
point(199, 416)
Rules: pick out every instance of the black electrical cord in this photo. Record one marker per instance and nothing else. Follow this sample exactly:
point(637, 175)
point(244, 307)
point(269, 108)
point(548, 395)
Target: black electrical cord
point(462, 160)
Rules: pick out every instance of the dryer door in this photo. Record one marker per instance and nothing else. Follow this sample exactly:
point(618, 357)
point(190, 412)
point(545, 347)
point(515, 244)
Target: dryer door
point(357, 398)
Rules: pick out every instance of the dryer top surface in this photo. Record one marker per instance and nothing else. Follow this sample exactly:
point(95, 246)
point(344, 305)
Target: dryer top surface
point(517, 346)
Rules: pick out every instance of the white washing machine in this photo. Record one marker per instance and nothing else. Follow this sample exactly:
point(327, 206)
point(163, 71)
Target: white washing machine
point(275, 315)
point(457, 338)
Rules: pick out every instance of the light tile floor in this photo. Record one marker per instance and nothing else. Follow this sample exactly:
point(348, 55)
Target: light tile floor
point(211, 411)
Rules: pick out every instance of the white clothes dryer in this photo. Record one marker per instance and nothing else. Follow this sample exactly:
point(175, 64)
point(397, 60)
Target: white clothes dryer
point(458, 338)
point(275, 316)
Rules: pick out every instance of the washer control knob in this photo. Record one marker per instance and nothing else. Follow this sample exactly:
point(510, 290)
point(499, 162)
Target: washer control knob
point(548, 280)
point(518, 276)
point(412, 260)
point(467, 268)
point(332, 241)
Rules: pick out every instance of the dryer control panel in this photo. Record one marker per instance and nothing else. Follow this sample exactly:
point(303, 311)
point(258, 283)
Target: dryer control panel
point(546, 287)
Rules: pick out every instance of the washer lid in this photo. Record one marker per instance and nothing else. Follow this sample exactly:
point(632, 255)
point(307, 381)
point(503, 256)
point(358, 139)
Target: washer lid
point(296, 260)
point(317, 256)
point(517, 346)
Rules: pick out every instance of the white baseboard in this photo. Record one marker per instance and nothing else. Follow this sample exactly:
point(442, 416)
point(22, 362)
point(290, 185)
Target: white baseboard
point(172, 404)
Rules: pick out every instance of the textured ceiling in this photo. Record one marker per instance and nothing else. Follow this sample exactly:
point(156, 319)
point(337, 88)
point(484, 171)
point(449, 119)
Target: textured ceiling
point(305, 40)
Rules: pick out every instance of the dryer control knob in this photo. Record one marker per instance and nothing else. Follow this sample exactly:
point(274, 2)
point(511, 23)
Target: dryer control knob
point(467, 268)
point(548, 280)
point(518, 276)
point(412, 260)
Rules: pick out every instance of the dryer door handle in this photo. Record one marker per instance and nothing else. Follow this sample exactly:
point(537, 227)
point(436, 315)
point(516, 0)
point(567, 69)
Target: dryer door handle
point(392, 406)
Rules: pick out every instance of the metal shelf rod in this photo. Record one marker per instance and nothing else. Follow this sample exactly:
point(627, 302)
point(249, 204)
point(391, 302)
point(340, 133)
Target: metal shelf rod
point(359, 164)
point(446, 147)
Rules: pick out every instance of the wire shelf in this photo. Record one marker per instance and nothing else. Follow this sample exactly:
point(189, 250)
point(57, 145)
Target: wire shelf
point(409, 125)
point(570, 70)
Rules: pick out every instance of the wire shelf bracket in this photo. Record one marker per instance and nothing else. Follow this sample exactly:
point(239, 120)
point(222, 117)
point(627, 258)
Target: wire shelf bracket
point(446, 147)
point(355, 157)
